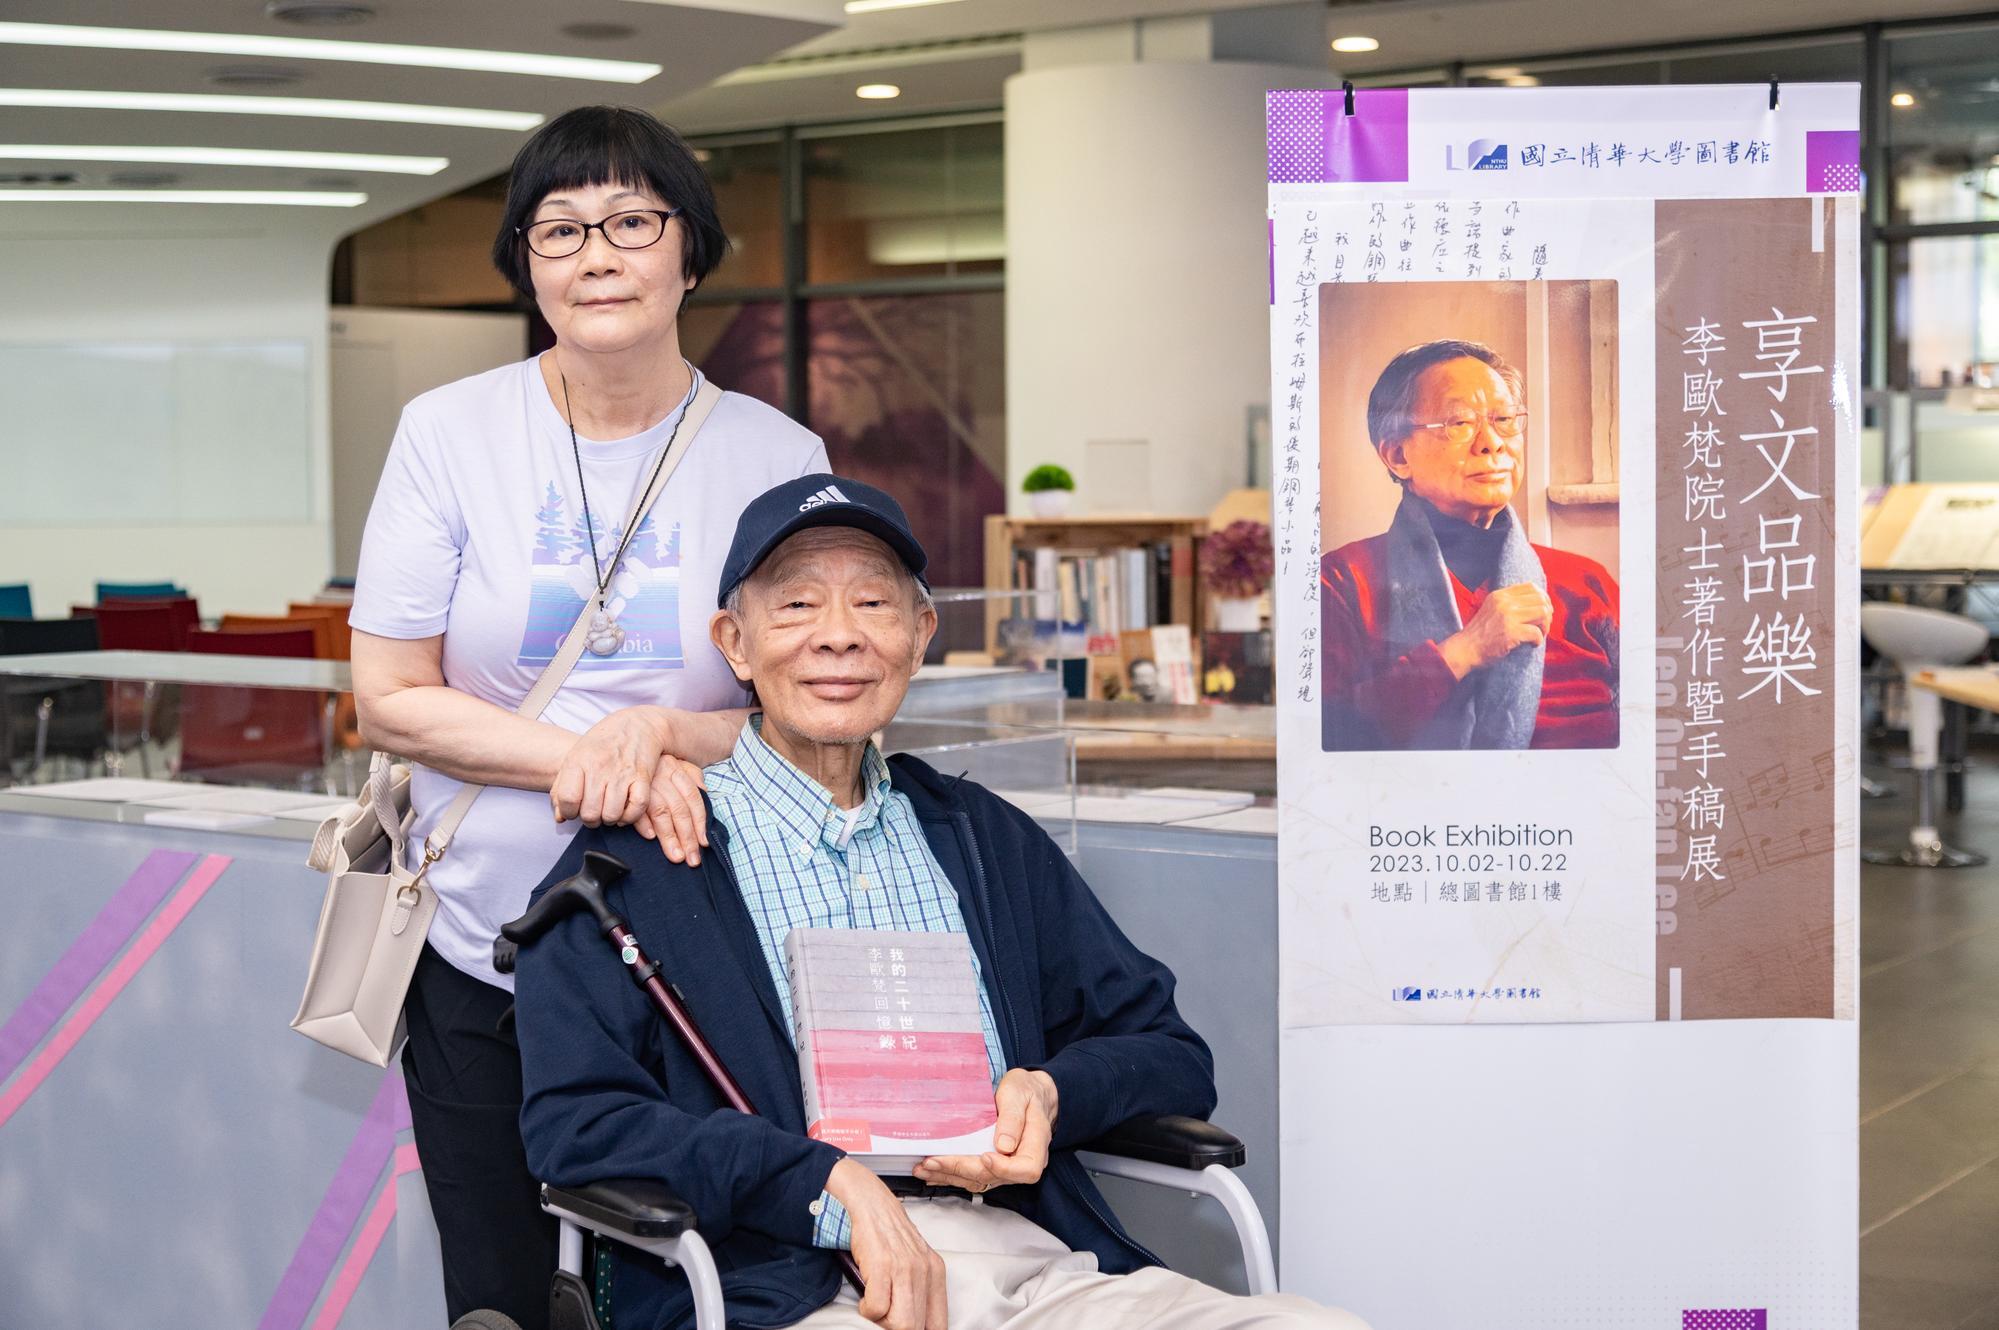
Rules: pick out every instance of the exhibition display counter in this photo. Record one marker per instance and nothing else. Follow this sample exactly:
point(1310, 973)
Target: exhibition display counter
point(233, 1173)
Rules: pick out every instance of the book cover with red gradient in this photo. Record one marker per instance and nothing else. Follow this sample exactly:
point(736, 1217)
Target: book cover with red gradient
point(891, 1056)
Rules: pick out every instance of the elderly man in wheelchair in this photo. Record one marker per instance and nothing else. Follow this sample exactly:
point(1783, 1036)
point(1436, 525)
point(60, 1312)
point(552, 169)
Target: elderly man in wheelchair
point(825, 615)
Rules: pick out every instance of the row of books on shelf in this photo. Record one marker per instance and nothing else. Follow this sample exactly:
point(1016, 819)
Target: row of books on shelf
point(1163, 663)
point(1106, 593)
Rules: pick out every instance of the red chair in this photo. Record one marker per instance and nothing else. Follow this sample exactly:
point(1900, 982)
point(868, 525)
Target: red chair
point(283, 643)
point(144, 625)
point(332, 641)
point(255, 735)
point(139, 712)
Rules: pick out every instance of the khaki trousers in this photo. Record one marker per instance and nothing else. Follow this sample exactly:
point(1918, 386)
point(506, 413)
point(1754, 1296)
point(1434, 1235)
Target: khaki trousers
point(1003, 1272)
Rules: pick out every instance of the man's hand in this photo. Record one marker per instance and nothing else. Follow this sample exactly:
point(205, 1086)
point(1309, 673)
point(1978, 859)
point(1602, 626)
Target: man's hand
point(1509, 618)
point(903, 1275)
point(674, 814)
point(1027, 1103)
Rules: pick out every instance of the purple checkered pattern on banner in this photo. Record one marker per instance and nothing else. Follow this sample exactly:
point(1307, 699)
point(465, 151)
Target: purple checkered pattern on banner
point(1733, 1318)
point(1312, 139)
point(1832, 161)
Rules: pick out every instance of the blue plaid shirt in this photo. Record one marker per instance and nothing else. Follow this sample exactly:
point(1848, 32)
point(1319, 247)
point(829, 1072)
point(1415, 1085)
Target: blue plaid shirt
point(804, 862)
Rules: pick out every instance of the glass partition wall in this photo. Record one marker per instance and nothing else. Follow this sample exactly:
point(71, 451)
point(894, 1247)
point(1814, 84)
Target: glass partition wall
point(865, 297)
point(1930, 135)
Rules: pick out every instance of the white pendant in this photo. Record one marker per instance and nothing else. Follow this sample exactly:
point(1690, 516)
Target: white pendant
point(604, 637)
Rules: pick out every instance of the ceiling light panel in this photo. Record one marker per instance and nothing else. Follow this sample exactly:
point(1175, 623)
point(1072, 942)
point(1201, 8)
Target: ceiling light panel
point(315, 161)
point(874, 6)
point(404, 113)
point(315, 48)
point(278, 198)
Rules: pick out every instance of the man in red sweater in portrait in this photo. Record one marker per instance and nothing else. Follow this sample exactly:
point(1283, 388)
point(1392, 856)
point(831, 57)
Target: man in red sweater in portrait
point(1449, 630)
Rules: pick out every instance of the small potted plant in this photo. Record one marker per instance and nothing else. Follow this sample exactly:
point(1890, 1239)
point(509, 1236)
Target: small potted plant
point(1048, 488)
point(1236, 565)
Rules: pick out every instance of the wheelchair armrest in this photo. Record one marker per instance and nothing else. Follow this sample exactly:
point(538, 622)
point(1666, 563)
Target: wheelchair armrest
point(633, 1207)
point(1173, 1140)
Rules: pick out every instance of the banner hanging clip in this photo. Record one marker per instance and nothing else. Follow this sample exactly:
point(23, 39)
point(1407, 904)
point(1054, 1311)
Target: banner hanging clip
point(1346, 86)
point(1773, 94)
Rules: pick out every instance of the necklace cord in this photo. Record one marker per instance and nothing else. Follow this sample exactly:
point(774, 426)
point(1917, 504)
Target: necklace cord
point(576, 451)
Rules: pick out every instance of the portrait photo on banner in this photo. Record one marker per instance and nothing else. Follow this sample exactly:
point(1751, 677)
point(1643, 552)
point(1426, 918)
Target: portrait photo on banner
point(1469, 515)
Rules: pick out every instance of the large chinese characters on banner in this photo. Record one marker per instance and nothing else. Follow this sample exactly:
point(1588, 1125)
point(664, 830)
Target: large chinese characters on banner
point(1750, 748)
point(1565, 493)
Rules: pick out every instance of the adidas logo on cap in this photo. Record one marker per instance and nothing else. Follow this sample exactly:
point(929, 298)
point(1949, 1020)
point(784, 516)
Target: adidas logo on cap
point(831, 494)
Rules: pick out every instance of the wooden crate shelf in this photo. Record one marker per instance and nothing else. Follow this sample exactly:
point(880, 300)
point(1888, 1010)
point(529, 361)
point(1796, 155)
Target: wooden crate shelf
point(1098, 534)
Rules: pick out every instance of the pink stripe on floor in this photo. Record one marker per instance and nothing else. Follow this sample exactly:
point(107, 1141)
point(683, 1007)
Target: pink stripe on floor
point(86, 957)
point(373, 1147)
point(370, 1238)
point(101, 997)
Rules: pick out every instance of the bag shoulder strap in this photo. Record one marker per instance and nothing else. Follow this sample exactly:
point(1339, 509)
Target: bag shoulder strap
point(557, 670)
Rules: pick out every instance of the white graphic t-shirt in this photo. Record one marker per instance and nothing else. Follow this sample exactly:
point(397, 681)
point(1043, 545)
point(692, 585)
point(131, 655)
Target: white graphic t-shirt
point(478, 533)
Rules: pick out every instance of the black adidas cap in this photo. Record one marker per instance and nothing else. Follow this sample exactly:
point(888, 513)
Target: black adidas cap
point(815, 500)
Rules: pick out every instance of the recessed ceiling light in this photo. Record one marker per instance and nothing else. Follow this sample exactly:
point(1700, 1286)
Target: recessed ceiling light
point(1522, 81)
point(327, 161)
point(319, 13)
point(871, 6)
point(1903, 99)
point(877, 92)
point(1355, 45)
point(1504, 72)
point(275, 198)
point(253, 76)
point(317, 48)
point(401, 113)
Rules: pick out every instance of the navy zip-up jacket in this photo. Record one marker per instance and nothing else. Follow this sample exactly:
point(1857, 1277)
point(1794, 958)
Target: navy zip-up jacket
point(608, 1091)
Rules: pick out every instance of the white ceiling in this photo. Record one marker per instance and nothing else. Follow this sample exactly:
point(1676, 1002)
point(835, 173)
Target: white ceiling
point(694, 42)
point(727, 64)
point(806, 84)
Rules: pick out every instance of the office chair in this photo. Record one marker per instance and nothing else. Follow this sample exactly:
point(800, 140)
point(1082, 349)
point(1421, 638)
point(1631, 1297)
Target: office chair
point(142, 712)
point(139, 591)
point(255, 734)
point(43, 717)
point(1916, 639)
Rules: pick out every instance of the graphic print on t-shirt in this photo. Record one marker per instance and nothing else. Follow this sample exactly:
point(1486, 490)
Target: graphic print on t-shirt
point(644, 595)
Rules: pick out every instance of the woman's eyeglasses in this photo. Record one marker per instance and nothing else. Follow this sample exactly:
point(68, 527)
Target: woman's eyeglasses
point(559, 237)
point(1460, 430)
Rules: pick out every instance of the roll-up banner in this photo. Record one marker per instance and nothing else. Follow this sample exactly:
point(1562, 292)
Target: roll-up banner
point(1565, 404)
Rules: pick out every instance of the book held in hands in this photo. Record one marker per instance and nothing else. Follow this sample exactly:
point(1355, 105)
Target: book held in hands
point(891, 1054)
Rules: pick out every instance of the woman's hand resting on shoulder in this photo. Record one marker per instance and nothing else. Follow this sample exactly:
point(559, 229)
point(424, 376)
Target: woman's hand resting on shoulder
point(623, 771)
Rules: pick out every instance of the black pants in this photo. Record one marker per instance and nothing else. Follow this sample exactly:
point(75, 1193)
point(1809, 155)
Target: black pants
point(464, 1076)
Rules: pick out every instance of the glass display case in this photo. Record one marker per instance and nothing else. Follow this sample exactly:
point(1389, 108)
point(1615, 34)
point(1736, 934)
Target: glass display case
point(226, 742)
point(240, 743)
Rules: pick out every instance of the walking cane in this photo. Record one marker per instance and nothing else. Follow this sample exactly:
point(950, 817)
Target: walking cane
point(585, 891)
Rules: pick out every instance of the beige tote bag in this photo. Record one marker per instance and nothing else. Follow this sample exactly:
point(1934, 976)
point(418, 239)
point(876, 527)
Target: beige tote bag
point(378, 907)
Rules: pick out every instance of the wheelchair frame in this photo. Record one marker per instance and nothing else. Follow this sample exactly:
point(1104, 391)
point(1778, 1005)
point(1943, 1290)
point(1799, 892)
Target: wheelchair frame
point(1167, 1151)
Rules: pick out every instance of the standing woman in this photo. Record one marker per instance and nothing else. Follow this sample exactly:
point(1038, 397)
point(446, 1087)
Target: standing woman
point(498, 514)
